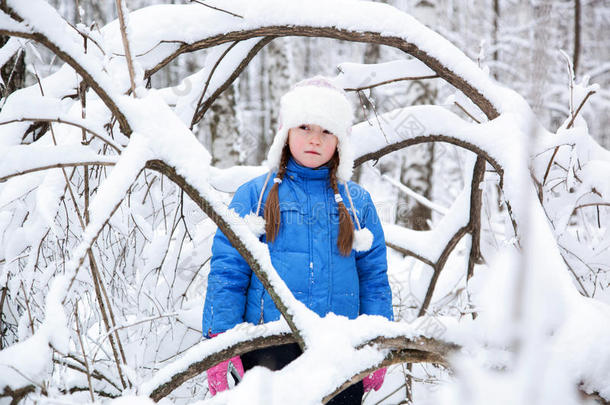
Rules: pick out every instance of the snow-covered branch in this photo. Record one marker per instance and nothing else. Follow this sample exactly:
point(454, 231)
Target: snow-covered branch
point(46, 27)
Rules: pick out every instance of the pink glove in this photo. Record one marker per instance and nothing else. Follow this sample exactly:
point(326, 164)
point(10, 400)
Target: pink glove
point(374, 380)
point(217, 375)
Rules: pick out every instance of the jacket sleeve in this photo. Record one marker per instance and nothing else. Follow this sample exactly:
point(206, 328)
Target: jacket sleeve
point(372, 265)
point(229, 276)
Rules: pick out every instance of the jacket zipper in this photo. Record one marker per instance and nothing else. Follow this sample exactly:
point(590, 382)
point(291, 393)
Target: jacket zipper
point(310, 241)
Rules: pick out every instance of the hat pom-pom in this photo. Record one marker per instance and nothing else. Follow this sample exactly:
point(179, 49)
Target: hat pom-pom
point(255, 223)
point(363, 240)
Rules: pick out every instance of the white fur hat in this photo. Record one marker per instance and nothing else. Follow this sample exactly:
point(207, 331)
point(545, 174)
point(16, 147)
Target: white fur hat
point(316, 101)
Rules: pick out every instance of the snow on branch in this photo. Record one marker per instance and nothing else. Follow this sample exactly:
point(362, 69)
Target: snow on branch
point(9, 49)
point(222, 66)
point(161, 141)
point(358, 76)
point(21, 159)
point(202, 28)
point(428, 246)
point(403, 343)
point(110, 195)
point(45, 26)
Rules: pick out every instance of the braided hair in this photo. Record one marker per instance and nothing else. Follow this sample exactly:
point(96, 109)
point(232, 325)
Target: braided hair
point(272, 206)
point(346, 226)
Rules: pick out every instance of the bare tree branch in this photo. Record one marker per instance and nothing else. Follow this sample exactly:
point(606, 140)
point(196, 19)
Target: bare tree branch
point(332, 32)
point(237, 243)
point(82, 71)
point(206, 103)
point(123, 28)
point(60, 120)
point(56, 166)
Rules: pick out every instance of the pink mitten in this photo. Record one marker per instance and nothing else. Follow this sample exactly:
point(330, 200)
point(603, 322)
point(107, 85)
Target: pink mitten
point(374, 380)
point(217, 375)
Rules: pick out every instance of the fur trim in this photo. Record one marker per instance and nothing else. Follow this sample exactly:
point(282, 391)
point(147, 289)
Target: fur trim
point(316, 101)
point(363, 240)
point(255, 223)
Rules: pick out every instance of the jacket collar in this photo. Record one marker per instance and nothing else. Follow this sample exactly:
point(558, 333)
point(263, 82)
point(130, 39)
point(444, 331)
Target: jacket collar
point(293, 168)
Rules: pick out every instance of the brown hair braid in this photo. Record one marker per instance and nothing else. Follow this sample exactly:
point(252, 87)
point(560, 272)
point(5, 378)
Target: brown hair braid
point(272, 205)
point(346, 226)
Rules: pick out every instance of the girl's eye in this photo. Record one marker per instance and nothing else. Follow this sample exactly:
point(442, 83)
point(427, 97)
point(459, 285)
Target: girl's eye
point(304, 127)
point(326, 131)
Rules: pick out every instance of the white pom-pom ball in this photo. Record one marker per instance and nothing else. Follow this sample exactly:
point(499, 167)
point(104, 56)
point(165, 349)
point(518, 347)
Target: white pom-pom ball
point(255, 223)
point(363, 240)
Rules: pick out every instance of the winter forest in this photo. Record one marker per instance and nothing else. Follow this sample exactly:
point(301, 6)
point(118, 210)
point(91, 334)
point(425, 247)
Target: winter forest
point(482, 133)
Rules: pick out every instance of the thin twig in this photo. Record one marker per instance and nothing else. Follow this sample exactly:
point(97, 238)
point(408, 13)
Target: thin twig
point(466, 112)
point(82, 346)
point(217, 9)
point(120, 10)
point(59, 120)
point(55, 166)
point(207, 82)
point(398, 79)
point(548, 167)
point(27, 306)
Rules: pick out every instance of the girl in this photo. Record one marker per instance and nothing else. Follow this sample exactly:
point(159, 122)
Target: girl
point(332, 258)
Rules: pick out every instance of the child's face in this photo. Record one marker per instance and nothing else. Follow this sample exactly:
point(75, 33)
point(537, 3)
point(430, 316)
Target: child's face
point(311, 145)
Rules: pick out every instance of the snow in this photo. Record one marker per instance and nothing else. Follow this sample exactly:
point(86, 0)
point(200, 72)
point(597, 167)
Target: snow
point(351, 74)
point(8, 24)
point(28, 362)
point(430, 244)
point(39, 14)
point(9, 50)
point(198, 22)
point(229, 179)
point(531, 318)
point(219, 65)
point(111, 193)
point(417, 197)
point(20, 159)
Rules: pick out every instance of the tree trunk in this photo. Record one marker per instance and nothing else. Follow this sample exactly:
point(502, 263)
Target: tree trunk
point(13, 72)
point(576, 35)
point(223, 130)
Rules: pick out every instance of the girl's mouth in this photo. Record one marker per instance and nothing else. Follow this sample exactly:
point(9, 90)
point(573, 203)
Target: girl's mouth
point(312, 152)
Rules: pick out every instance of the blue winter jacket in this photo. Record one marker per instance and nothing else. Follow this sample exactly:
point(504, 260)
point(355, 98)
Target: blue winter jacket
point(304, 253)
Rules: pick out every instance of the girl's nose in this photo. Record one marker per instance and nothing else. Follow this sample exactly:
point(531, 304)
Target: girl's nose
point(316, 137)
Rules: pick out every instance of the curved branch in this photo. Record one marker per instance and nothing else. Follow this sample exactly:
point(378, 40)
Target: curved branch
point(237, 243)
point(376, 155)
point(473, 225)
point(438, 267)
point(343, 34)
point(207, 83)
point(403, 350)
point(205, 105)
point(200, 366)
